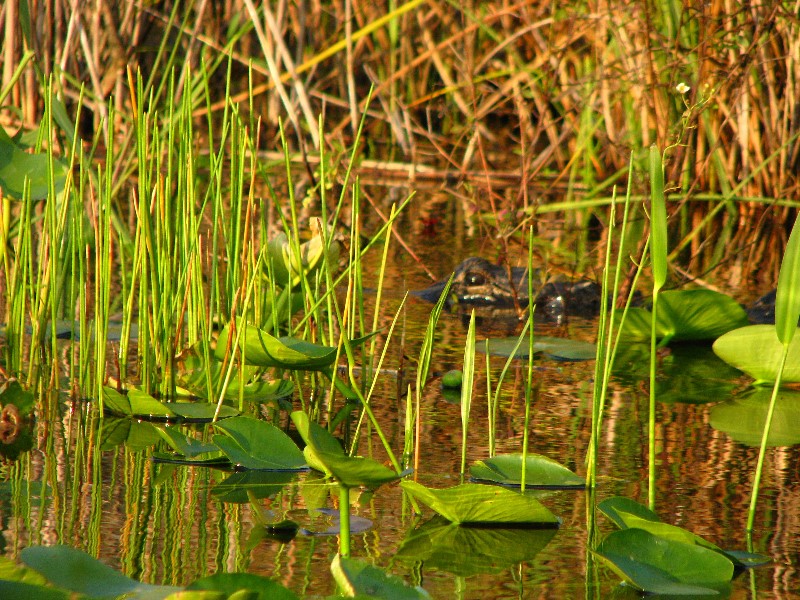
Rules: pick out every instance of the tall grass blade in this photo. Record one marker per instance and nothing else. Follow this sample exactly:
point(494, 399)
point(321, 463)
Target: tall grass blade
point(466, 388)
point(658, 261)
point(787, 312)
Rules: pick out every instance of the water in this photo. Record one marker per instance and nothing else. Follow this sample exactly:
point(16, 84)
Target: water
point(93, 485)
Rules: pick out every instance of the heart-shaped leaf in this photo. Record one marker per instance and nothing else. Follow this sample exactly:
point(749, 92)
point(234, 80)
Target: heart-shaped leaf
point(472, 503)
point(540, 471)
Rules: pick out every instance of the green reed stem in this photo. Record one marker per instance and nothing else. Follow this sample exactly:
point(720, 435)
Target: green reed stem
point(344, 520)
point(658, 261)
point(466, 388)
point(787, 313)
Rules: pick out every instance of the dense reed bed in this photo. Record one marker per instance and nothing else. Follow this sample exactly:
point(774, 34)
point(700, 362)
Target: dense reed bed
point(531, 90)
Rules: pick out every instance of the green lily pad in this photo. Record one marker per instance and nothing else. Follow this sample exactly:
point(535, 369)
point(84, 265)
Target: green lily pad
point(228, 584)
point(76, 571)
point(265, 350)
point(287, 266)
point(658, 565)
point(743, 417)
point(472, 503)
point(136, 435)
point(540, 471)
point(627, 514)
point(757, 351)
point(324, 453)
point(357, 578)
point(466, 551)
point(616, 506)
point(17, 165)
point(560, 348)
point(685, 315)
point(199, 412)
point(194, 372)
point(254, 444)
point(184, 444)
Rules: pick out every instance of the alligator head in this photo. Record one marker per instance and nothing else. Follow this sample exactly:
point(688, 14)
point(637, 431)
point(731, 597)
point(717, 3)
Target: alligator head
point(477, 282)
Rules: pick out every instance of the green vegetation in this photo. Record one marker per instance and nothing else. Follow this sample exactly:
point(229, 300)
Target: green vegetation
point(187, 258)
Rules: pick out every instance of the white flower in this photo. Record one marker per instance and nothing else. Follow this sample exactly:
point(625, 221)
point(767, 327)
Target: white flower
point(682, 88)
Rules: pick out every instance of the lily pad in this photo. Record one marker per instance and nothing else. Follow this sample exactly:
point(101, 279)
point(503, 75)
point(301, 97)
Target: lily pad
point(628, 514)
point(288, 266)
point(254, 444)
point(76, 571)
point(654, 564)
point(757, 351)
point(357, 578)
point(184, 444)
point(540, 471)
point(265, 350)
point(17, 166)
point(743, 417)
point(685, 315)
point(259, 588)
point(560, 348)
point(194, 373)
point(325, 453)
point(472, 503)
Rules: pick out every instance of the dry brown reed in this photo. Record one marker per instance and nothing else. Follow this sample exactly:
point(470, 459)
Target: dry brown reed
point(553, 92)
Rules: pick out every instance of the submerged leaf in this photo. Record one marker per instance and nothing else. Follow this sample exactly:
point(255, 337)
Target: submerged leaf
point(757, 351)
point(561, 348)
point(540, 471)
point(472, 503)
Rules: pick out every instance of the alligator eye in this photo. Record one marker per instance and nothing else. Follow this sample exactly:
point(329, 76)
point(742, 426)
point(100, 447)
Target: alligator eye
point(475, 279)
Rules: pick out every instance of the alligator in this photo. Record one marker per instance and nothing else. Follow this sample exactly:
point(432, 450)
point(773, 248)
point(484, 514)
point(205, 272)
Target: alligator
point(479, 283)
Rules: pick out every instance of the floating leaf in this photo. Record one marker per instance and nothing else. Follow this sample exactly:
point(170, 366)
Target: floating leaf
point(466, 551)
point(787, 297)
point(288, 267)
point(254, 444)
point(199, 412)
point(324, 453)
point(743, 417)
point(185, 445)
point(757, 351)
point(472, 503)
point(627, 514)
point(264, 350)
point(17, 165)
point(452, 379)
point(194, 373)
point(540, 471)
point(357, 578)
point(657, 565)
point(561, 348)
point(76, 571)
point(13, 393)
point(615, 506)
point(259, 588)
point(685, 315)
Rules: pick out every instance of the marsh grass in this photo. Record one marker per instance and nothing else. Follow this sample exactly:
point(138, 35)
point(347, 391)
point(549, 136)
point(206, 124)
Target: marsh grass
point(573, 89)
